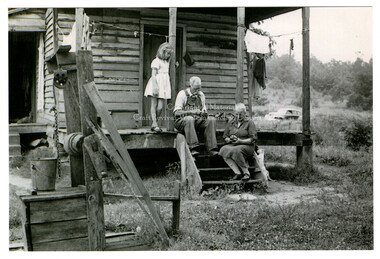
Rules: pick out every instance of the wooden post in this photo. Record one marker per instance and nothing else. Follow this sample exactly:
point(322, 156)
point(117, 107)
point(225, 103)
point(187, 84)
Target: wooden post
point(306, 157)
point(172, 72)
point(73, 124)
point(95, 210)
point(239, 98)
point(122, 151)
point(176, 207)
point(79, 16)
point(55, 36)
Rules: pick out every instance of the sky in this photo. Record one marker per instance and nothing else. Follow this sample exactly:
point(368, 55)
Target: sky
point(340, 33)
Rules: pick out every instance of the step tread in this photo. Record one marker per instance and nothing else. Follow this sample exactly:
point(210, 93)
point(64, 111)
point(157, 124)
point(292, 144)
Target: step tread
point(231, 181)
point(223, 169)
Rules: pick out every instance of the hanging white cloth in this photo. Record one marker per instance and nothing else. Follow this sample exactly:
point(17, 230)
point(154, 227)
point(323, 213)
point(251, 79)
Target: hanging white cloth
point(256, 43)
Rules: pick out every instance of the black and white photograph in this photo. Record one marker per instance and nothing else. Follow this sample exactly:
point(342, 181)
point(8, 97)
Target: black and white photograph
point(189, 128)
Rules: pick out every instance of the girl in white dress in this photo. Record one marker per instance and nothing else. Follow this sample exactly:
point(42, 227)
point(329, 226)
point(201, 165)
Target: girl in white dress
point(158, 87)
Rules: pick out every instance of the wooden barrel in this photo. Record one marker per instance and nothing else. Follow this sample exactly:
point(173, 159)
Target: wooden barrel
point(43, 172)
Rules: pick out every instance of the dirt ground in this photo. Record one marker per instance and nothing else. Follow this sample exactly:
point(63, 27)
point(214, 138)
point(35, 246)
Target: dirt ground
point(279, 192)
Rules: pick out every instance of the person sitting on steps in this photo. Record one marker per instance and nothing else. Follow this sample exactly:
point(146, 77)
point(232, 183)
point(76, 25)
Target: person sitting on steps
point(191, 116)
point(240, 136)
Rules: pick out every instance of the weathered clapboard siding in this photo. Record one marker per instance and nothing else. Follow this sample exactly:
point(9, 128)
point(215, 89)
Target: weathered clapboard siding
point(28, 20)
point(215, 65)
point(116, 56)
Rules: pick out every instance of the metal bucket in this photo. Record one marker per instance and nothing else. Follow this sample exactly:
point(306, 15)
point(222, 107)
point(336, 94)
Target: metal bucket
point(43, 172)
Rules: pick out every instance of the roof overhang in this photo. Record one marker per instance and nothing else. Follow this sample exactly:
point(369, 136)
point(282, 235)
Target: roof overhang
point(252, 14)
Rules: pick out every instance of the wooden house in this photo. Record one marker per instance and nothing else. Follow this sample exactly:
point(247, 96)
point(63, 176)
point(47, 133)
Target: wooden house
point(123, 42)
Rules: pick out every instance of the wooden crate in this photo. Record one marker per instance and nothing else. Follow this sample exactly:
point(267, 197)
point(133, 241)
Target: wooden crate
point(56, 221)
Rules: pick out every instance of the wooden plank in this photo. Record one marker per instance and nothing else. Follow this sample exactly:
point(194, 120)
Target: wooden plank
point(115, 52)
point(129, 167)
point(305, 158)
point(231, 182)
point(119, 96)
point(240, 58)
point(176, 208)
point(110, 87)
point(73, 124)
point(92, 145)
point(116, 74)
point(117, 81)
point(53, 196)
point(121, 106)
point(219, 71)
point(133, 141)
point(54, 231)
point(187, 161)
point(75, 244)
point(126, 119)
point(172, 69)
point(116, 66)
point(209, 31)
point(123, 46)
point(116, 59)
point(114, 39)
point(306, 71)
point(95, 209)
point(141, 74)
point(154, 198)
point(57, 210)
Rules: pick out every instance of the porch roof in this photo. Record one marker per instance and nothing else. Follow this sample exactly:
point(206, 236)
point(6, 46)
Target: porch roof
point(252, 14)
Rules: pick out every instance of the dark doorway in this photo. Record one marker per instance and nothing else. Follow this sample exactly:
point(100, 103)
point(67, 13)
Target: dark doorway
point(22, 63)
point(151, 44)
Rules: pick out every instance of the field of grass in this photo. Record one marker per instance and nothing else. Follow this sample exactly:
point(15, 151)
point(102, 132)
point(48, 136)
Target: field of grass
point(342, 220)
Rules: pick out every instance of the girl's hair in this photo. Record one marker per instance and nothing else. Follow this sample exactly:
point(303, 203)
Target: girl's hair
point(162, 49)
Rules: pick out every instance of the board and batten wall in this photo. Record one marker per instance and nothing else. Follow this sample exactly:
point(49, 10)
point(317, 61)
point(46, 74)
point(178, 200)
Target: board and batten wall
point(117, 60)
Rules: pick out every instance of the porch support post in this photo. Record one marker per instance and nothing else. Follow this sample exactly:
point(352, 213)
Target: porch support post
point(239, 98)
point(172, 72)
point(304, 156)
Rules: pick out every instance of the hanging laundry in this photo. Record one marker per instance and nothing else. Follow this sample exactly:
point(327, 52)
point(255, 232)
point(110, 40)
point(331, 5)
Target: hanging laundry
point(256, 43)
point(260, 73)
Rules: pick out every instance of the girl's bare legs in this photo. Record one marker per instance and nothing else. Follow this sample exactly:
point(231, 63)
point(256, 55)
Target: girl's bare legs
point(160, 106)
point(153, 109)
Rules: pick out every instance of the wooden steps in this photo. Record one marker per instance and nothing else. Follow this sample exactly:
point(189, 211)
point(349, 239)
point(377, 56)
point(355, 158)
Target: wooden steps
point(213, 170)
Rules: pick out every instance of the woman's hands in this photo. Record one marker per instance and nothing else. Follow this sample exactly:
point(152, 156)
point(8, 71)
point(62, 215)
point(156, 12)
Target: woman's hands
point(238, 141)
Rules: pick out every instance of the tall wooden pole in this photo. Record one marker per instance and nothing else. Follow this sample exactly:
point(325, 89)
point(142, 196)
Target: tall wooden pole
point(94, 189)
point(172, 72)
point(240, 55)
point(304, 153)
point(305, 71)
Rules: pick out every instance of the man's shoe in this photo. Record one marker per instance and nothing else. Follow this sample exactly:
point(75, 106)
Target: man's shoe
point(246, 177)
point(237, 177)
point(213, 153)
point(194, 153)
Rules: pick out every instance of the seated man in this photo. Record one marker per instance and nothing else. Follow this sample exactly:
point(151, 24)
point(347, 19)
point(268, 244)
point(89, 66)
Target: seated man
point(191, 115)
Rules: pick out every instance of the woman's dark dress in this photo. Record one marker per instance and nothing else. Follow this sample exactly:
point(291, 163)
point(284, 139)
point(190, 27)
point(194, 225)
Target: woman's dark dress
point(240, 152)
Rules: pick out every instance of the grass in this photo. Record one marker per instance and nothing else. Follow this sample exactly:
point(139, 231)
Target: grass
point(341, 219)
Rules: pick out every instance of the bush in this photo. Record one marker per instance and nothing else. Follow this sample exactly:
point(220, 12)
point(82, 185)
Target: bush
point(358, 134)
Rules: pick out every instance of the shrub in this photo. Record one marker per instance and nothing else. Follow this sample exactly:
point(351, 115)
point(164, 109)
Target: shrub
point(334, 156)
point(358, 134)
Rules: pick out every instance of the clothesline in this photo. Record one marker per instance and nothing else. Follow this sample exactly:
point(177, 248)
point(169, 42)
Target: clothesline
point(135, 32)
